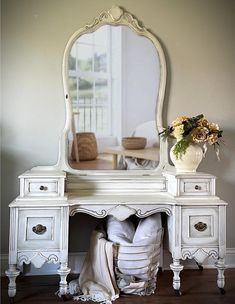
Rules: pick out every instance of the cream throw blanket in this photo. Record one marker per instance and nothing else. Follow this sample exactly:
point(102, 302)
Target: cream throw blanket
point(97, 280)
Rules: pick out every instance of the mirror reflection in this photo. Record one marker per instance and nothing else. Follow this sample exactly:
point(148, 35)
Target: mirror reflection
point(113, 81)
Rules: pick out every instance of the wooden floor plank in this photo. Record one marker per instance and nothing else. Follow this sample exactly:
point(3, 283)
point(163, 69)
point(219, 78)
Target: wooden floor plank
point(197, 287)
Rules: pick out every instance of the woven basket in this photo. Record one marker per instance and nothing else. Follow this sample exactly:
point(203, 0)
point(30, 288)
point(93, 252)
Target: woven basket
point(138, 263)
point(134, 143)
point(87, 146)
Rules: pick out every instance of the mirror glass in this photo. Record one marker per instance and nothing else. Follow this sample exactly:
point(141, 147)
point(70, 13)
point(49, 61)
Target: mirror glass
point(113, 82)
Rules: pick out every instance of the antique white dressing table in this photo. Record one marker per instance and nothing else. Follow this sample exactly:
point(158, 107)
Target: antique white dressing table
point(39, 216)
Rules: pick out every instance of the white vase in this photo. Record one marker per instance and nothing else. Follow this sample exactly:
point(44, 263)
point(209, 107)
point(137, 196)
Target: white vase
point(189, 161)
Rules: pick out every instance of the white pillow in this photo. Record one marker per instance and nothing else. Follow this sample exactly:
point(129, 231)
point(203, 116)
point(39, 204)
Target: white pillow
point(138, 263)
point(121, 232)
point(149, 230)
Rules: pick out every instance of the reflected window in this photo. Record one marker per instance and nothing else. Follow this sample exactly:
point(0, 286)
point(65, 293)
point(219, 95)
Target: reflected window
point(90, 81)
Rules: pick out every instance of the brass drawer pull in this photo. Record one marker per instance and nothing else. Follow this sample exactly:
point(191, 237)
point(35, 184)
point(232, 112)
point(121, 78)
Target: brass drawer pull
point(200, 226)
point(39, 229)
point(197, 187)
point(43, 188)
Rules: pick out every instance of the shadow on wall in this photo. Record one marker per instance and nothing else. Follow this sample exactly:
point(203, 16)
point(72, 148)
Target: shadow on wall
point(11, 167)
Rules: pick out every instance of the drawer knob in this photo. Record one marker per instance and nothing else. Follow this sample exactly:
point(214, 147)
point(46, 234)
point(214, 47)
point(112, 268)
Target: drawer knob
point(197, 187)
point(200, 226)
point(43, 188)
point(39, 229)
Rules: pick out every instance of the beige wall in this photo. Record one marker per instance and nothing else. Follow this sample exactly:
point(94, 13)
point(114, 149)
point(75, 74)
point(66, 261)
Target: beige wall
point(198, 38)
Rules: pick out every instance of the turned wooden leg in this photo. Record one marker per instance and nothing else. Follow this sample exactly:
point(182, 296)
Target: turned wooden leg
point(12, 273)
point(176, 267)
point(220, 265)
point(63, 271)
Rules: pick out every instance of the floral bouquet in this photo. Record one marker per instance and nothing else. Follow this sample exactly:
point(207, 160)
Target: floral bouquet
point(196, 129)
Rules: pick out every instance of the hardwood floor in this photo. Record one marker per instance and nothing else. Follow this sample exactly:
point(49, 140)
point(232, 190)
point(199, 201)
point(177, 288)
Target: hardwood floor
point(197, 287)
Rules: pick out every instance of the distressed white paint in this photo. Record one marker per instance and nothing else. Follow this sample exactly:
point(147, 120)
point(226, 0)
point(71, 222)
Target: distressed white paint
point(119, 193)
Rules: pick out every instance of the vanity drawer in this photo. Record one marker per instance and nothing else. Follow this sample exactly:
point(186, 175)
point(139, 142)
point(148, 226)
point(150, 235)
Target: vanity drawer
point(196, 187)
point(199, 226)
point(41, 187)
point(42, 183)
point(39, 229)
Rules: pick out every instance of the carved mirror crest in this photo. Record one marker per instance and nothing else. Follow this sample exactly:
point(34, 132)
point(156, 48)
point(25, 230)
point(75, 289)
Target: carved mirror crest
point(114, 77)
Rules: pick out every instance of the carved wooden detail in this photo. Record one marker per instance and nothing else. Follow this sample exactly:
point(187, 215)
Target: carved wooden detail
point(145, 213)
point(96, 211)
point(37, 258)
point(116, 15)
point(199, 254)
point(121, 212)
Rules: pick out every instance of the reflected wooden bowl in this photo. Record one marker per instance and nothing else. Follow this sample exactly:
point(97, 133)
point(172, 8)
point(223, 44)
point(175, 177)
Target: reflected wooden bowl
point(134, 143)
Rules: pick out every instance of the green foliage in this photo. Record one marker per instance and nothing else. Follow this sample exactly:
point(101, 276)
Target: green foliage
point(191, 124)
point(180, 148)
point(166, 133)
point(220, 133)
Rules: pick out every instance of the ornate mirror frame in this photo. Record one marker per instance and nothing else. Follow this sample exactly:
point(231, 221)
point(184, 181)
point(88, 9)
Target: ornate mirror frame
point(115, 16)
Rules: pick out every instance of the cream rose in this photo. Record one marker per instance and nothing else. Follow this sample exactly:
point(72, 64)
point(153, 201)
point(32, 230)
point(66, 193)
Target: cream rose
point(178, 121)
point(212, 138)
point(178, 132)
point(213, 127)
point(203, 122)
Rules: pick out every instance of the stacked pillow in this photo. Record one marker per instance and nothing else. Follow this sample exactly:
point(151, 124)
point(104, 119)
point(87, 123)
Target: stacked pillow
point(148, 231)
point(138, 253)
point(120, 232)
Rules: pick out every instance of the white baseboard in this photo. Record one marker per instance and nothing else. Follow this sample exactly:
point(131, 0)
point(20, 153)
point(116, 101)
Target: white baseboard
point(76, 260)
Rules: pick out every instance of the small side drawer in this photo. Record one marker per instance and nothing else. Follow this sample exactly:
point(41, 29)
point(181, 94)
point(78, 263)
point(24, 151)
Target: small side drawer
point(200, 226)
point(41, 187)
point(39, 229)
point(42, 183)
point(196, 187)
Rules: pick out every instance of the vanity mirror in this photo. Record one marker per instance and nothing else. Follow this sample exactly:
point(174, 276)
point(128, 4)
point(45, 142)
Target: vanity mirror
point(114, 76)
